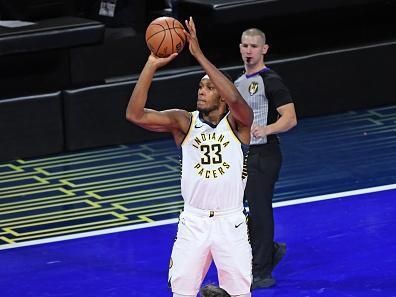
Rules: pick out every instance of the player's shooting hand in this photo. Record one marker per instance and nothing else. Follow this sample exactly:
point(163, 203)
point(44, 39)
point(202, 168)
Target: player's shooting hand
point(158, 62)
point(191, 34)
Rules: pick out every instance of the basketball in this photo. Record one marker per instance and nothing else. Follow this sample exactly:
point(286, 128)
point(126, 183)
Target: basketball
point(165, 36)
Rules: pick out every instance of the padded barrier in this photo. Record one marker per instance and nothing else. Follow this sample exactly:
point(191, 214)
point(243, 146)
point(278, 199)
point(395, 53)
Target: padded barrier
point(123, 51)
point(95, 116)
point(48, 34)
point(36, 59)
point(31, 126)
point(33, 73)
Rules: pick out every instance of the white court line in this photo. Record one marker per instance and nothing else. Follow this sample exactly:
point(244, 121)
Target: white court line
point(173, 221)
point(335, 195)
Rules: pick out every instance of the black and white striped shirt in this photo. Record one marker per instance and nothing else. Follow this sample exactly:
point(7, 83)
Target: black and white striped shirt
point(264, 91)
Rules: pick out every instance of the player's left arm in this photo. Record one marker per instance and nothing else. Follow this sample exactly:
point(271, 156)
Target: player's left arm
point(240, 110)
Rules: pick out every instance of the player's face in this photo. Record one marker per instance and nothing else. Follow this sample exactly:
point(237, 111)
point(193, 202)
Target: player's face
point(208, 97)
point(252, 49)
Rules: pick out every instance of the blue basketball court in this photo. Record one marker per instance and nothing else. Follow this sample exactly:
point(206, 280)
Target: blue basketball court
point(102, 222)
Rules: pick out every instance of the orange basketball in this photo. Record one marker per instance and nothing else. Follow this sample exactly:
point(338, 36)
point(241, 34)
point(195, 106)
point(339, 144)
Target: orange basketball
point(165, 36)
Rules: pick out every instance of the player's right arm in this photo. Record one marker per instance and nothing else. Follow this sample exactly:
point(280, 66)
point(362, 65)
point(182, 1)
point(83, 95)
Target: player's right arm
point(159, 121)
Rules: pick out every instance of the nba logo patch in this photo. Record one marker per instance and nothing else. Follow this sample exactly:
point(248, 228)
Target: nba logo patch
point(253, 87)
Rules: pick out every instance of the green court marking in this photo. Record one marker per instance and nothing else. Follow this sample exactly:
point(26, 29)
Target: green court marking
point(73, 229)
point(36, 178)
point(69, 156)
point(59, 214)
point(5, 239)
point(157, 148)
point(10, 231)
point(92, 205)
point(144, 158)
point(42, 203)
point(130, 181)
point(132, 198)
point(13, 169)
point(146, 219)
point(42, 171)
point(93, 195)
point(104, 171)
point(111, 180)
point(79, 160)
point(140, 192)
point(134, 201)
point(8, 177)
point(129, 184)
point(100, 169)
point(109, 213)
point(173, 168)
point(176, 210)
point(156, 207)
point(44, 189)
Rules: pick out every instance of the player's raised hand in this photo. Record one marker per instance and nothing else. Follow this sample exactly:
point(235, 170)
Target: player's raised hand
point(158, 62)
point(191, 33)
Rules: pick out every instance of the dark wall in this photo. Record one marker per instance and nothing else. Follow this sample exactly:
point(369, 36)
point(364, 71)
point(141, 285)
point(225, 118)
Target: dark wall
point(34, 73)
point(128, 13)
point(95, 116)
point(32, 10)
point(37, 58)
point(292, 27)
point(31, 126)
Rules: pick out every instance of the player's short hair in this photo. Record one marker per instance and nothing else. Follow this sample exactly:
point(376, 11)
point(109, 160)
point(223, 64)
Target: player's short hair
point(255, 32)
point(213, 291)
point(226, 74)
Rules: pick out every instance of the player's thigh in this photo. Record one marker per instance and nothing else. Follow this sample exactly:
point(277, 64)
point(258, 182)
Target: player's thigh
point(232, 254)
point(190, 257)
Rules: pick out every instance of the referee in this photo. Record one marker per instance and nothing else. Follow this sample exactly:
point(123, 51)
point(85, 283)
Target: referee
point(274, 113)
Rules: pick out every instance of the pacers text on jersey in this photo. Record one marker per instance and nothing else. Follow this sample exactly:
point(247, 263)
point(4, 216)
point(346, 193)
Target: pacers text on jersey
point(211, 146)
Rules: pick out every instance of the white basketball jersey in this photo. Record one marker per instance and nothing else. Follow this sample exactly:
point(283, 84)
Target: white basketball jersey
point(213, 166)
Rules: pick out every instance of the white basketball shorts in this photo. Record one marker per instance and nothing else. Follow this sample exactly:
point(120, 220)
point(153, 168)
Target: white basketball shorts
point(204, 236)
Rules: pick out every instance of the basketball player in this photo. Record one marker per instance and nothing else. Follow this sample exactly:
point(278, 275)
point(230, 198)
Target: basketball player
point(274, 113)
point(214, 142)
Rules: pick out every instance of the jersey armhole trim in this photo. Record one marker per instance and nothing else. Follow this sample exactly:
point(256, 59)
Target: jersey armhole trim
point(232, 130)
point(189, 128)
